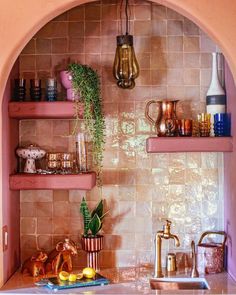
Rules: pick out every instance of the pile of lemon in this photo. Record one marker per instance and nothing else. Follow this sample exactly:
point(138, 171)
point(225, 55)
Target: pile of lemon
point(87, 272)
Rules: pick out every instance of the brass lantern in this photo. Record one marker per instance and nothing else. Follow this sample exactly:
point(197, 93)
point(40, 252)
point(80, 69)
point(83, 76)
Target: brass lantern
point(125, 67)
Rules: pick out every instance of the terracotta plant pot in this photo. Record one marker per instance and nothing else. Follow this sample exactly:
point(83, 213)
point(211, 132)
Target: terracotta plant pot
point(92, 245)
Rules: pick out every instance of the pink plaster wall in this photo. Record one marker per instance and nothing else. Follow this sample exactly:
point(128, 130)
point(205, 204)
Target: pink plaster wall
point(11, 199)
point(230, 178)
point(216, 17)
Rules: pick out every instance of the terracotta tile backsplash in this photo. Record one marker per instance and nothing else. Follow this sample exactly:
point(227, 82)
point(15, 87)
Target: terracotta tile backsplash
point(141, 190)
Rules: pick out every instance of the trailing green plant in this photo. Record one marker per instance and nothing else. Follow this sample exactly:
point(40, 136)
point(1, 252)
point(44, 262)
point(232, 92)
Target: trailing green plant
point(86, 83)
point(92, 220)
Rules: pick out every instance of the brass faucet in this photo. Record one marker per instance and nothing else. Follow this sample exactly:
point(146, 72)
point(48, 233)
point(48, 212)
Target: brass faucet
point(162, 234)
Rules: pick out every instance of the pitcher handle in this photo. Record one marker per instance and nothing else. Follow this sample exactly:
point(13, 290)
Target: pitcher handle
point(147, 111)
point(215, 233)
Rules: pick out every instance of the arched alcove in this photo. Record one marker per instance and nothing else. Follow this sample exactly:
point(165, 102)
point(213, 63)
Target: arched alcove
point(45, 16)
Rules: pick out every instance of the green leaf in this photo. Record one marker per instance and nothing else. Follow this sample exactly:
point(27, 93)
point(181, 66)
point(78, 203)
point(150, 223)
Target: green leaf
point(84, 210)
point(98, 210)
point(95, 224)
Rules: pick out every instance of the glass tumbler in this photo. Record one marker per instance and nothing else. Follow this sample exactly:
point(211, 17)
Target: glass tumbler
point(184, 127)
point(222, 124)
point(204, 124)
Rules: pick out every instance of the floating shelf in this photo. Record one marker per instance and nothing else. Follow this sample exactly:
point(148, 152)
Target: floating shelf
point(83, 181)
point(189, 144)
point(42, 110)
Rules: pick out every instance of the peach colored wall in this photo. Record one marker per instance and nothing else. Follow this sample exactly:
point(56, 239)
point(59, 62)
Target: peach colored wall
point(216, 17)
point(175, 62)
point(229, 187)
point(11, 199)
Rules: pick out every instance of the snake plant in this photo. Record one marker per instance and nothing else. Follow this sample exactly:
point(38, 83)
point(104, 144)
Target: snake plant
point(92, 220)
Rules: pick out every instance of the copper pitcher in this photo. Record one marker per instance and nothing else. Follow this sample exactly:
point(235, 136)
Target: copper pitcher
point(165, 122)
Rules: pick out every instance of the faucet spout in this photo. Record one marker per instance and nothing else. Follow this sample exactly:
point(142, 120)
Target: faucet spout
point(162, 234)
point(176, 239)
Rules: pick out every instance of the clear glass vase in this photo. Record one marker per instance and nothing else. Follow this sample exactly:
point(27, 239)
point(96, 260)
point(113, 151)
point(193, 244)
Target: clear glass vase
point(81, 152)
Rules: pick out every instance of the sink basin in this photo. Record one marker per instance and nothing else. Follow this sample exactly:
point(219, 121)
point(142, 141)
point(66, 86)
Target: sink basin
point(178, 283)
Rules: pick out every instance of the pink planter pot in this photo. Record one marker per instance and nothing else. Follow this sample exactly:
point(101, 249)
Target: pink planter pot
point(66, 80)
point(92, 245)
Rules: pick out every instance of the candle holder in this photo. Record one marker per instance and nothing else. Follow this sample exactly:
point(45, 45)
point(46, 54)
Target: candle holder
point(51, 89)
point(35, 89)
point(19, 90)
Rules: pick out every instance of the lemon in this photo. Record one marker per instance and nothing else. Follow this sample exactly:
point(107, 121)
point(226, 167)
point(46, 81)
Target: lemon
point(64, 276)
point(79, 276)
point(89, 272)
point(72, 277)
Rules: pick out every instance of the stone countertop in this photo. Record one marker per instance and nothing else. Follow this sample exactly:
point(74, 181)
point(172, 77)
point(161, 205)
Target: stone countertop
point(129, 280)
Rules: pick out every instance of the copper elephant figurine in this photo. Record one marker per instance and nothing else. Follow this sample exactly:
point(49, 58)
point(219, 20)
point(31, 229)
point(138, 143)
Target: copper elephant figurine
point(61, 257)
point(35, 264)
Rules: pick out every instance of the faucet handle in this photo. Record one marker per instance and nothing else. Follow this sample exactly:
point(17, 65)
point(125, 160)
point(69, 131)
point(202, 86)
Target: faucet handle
point(168, 222)
point(166, 227)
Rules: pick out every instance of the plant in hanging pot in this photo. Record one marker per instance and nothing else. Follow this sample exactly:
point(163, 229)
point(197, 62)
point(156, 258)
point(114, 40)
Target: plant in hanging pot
point(92, 241)
point(83, 84)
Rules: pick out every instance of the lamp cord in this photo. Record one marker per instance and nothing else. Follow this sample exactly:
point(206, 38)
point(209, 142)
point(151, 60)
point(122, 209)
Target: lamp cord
point(127, 17)
point(127, 12)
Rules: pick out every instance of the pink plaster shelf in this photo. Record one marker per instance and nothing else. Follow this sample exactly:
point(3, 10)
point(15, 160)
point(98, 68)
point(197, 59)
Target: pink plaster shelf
point(189, 144)
point(41, 110)
point(83, 181)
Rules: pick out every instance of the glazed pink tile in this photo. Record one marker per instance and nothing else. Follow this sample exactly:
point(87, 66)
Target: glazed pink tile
point(76, 45)
point(36, 196)
point(109, 12)
point(44, 225)
point(142, 28)
point(142, 12)
point(27, 63)
point(28, 242)
point(191, 76)
point(76, 29)
point(174, 27)
point(158, 11)
point(175, 43)
point(191, 44)
point(60, 195)
point(44, 209)
point(61, 209)
point(61, 225)
point(192, 60)
point(59, 45)
point(28, 225)
point(44, 242)
point(92, 28)
point(27, 209)
point(92, 12)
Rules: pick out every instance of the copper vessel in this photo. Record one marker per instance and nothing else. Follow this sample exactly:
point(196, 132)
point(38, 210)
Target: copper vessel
point(165, 122)
point(210, 256)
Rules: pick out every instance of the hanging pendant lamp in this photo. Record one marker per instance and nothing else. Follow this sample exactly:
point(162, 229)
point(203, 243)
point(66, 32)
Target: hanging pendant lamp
point(125, 67)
